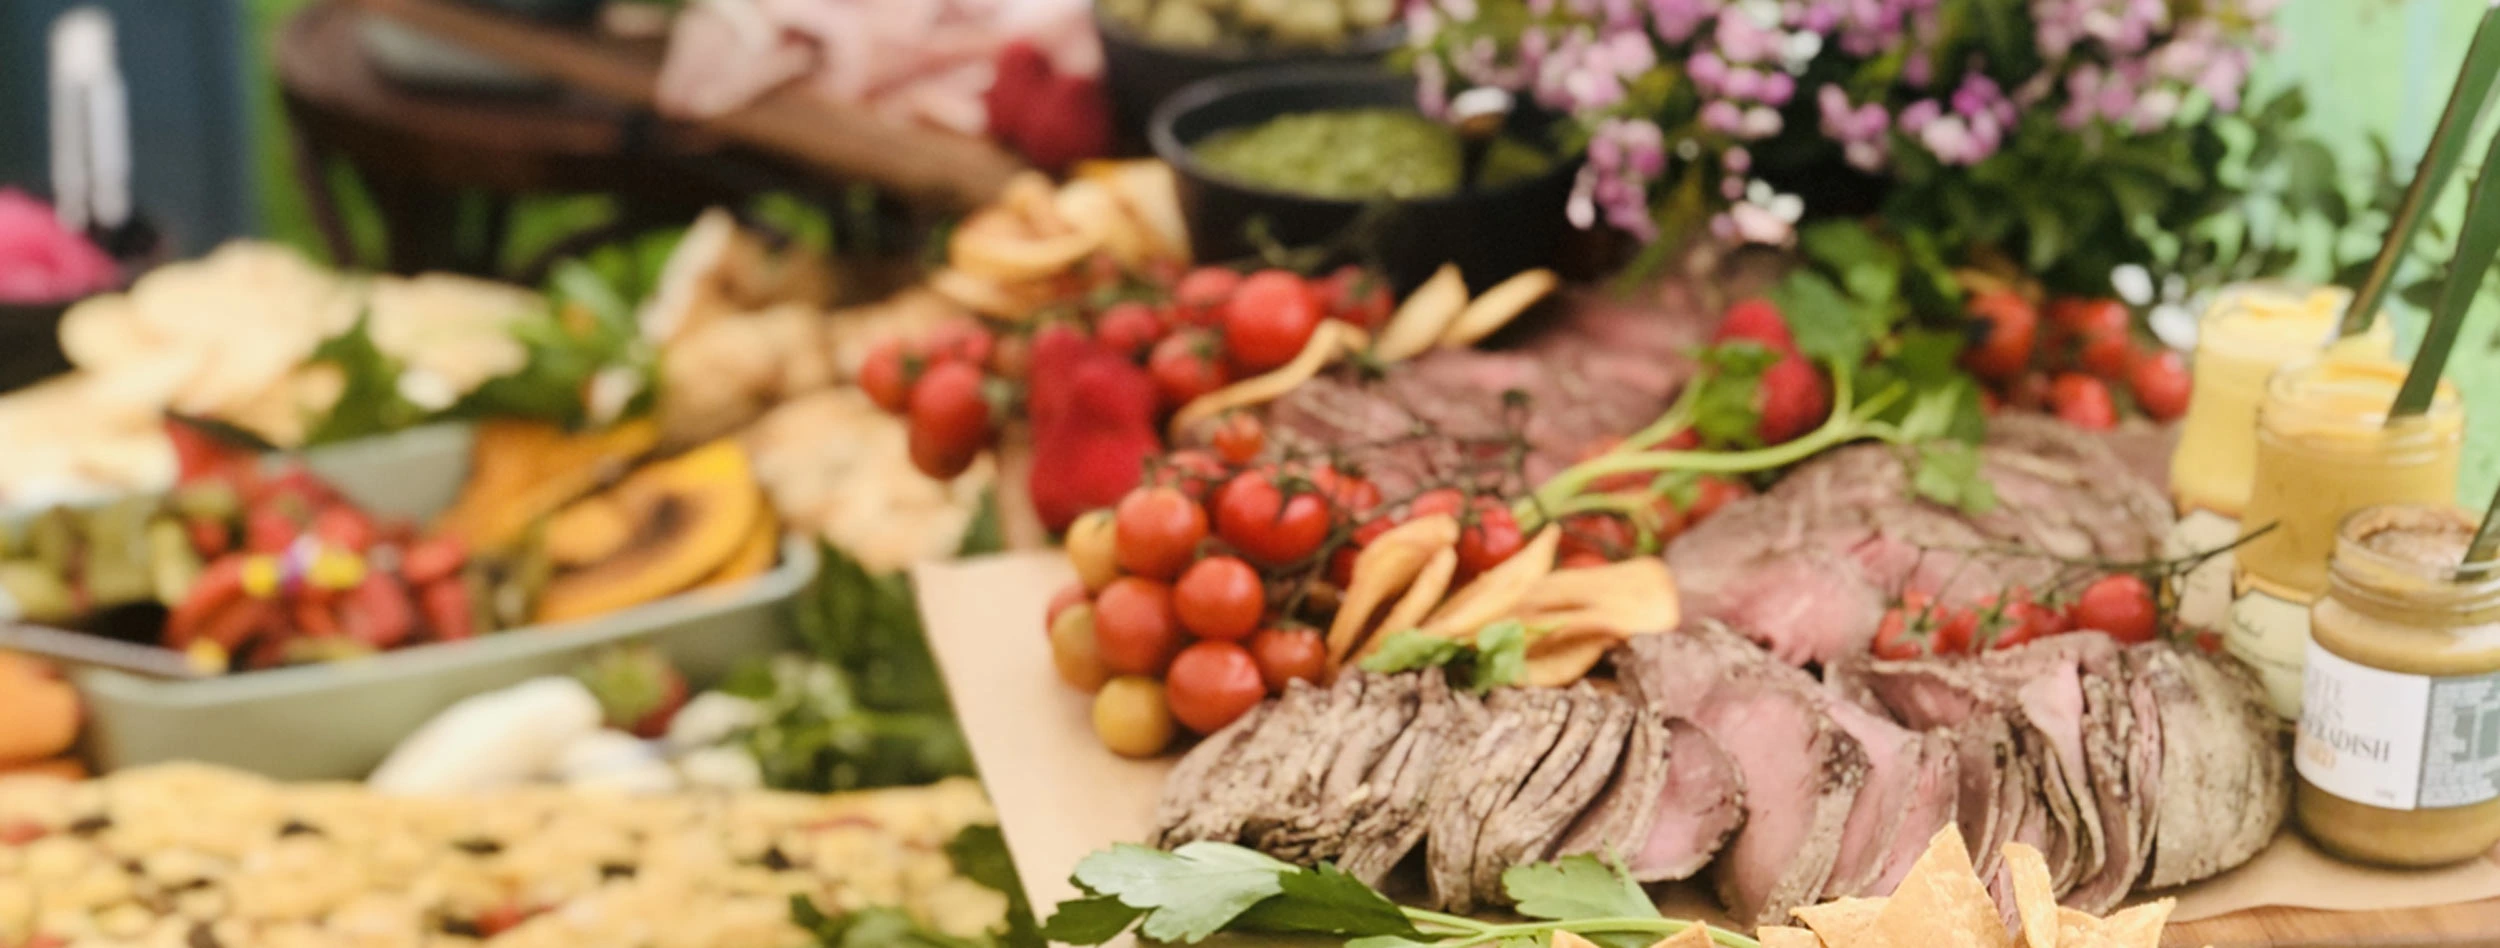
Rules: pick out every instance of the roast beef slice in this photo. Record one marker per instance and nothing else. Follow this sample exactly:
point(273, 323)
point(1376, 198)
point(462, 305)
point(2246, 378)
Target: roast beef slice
point(1399, 794)
point(1293, 782)
point(1212, 790)
point(1895, 761)
point(2223, 792)
point(1617, 821)
point(1564, 786)
point(1387, 710)
point(2108, 735)
point(1521, 727)
point(2052, 709)
point(1801, 773)
point(1699, 808)
point(1932, 802)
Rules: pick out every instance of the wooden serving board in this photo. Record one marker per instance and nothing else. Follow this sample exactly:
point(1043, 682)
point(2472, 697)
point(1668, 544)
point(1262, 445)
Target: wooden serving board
point(1060, 795)
point(843, 141)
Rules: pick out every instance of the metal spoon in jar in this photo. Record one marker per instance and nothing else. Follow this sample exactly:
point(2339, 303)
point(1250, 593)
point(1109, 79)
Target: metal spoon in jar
point(1478, 115)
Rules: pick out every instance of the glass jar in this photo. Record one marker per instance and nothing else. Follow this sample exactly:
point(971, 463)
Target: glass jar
point(2399, 743)
point(2324, 450)
point(2249, 331)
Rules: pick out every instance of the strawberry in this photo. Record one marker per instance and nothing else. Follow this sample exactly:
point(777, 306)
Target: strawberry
point(638, 690)
point(1067, 121)
point(1793, 399)
point(1756, 320)
point(1022, 69)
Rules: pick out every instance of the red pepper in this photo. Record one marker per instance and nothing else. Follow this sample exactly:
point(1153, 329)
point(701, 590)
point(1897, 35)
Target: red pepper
point(377, 612)
point(446, 605)
point(220, 583)
point(345, 527)
point(314, 619)
point(236, 622)
point(430, 560)
point(1093, 425)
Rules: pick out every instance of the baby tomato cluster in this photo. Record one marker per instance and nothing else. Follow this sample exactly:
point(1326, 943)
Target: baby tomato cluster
point(2081, 364)
point(2119, 605)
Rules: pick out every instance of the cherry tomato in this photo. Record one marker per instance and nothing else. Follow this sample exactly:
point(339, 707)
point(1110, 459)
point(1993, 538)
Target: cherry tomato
point(2023, 619)
point(1685, 440)
point(1491, 537)
point(1605, 536)
point(1012, 359)
point(1341, 565)
point(2083, 401)
point(1955, 629)
point(1194, 470)
point(950, 419)
point(1240, 437)
point(1186, 365)
point(1356, 296)
point(1285, 655)
point(2107, 356)
point(1075, 649)
point(886, 377)
point(2008, 324)
point(1131, 716)
point(1128, 328)
point(1756, 320)
point(2090, 319)
point(2161, 384)
point(1068, 595)
point(1220, 597)
point(965, 342)
point(1135, 630)
point(1582, 559)
point(1439, 500)
point(1202, 294)
point(1092, 543)
point(1268, 321)
point(1211, 684)
point(1257, 518)
point(1792, 398)
point(1351, 493)
point(1711, 493)
point(2121, 605)
point(1159, 529)
point(1902, 634)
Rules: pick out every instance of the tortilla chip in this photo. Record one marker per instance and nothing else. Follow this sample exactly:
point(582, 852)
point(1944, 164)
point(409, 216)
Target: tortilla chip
point(1941, 904)
point(1782, 936)
point(1842, 922)
point(2139, 927)
point(1697, 936)
point(1563, 939)
point(2035, 894)
point(1425, 593)
point(1556, 659)
point(2078, 929)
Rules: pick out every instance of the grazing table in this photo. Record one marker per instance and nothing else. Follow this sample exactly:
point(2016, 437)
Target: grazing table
point(1061, 795)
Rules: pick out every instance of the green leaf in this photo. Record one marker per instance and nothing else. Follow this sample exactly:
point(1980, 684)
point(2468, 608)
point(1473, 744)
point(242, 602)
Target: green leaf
point(1576, 887)
point(1948, 472)
point(1829, 326)
point(1092, 920)
point(1188, 893)
point(1407, 650)
point(1501, 656)
point(1868, 267)
point(1325, 901)
point(874, 927)
point(369, 404)
point(979, 853)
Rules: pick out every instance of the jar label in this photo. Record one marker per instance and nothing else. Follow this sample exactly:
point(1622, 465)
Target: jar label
point(2205, 591)
point(2397, 741)
point(2271, 635)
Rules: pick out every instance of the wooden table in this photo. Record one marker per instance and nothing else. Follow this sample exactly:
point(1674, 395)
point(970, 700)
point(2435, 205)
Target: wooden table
point(912, 162)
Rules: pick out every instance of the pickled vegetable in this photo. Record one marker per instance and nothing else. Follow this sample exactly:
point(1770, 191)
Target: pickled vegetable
point(1359, 154)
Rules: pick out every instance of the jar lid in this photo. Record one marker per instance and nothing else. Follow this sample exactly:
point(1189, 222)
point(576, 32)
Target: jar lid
point(2345, 393)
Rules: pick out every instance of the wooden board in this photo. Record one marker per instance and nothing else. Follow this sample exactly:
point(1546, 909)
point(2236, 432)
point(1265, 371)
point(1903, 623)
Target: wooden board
point(846, 142)
point(1060, 795)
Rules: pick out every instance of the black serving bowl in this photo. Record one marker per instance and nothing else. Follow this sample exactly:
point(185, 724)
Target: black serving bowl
point(30, 338)
point(1491, 233)
point(1139, 74)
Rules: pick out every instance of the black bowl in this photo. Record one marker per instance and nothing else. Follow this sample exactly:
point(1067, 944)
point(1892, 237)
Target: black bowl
point(1491, 233)
point(1139, 74)
point(30, 339)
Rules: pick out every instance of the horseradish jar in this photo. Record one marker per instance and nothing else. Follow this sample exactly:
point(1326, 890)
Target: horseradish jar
point(2250, 330)
point(2399, 744)
point(2325, 449)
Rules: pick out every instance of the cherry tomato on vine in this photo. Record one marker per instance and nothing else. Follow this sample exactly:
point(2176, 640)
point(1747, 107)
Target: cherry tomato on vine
point(1211, 683)
point(2090, 318)
point(1159, 529)
point(1220, 597)
point(2121, 605)
point(1128, 328)
point(2010, 324)
point(1439, 500)
point(2083, 401)
point(1491, 537)
point(2161, 384)
point(949, 419)
point(1194, 470)
point(1268, 321)
point(1186, 365)
point(1288, 654)
point(1257, 517)
point(1135, 630)
point(1240, 437)
point(1710, 493)
point(1069, 595)
point(1201, 294)
point(2108, 356)
point(886, 376)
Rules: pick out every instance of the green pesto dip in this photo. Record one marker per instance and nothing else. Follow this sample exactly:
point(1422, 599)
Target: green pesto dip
point(1359, 154)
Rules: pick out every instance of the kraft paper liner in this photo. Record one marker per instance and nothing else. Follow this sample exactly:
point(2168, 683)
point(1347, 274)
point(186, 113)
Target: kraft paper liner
point(1061, 795)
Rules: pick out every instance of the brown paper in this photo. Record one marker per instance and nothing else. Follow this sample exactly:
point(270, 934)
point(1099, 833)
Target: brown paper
point(1060, 795)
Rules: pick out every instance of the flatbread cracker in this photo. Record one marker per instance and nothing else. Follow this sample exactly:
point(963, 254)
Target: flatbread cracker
point(1941, 904)
point(2139, 927)
point(2035, 894)
point(1842, 922)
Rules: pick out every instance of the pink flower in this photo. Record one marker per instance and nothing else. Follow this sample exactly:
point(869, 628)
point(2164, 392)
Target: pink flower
point(1722, 115)
point(1742, 40)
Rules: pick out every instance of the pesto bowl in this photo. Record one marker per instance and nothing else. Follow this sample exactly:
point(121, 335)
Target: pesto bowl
point(1491, 232)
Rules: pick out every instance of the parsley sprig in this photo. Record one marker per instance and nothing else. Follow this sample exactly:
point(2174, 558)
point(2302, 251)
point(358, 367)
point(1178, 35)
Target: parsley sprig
point(1497, 656)
point(1203, 888)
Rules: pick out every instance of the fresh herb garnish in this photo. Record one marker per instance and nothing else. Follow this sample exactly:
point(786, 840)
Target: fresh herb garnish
point(1203, 888)
point(1498, 656)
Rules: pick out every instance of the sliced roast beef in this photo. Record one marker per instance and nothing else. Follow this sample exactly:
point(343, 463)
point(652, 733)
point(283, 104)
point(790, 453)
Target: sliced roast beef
point(1933, 801)
point(1699, 809)
point(1802, 773)
point(2223, 791)
point(1521, 727)
point(1807, 566)
point(1316, 833)
point(1616, 822)
point(1894, 761)
point(1564, 785)
point(1398, 796)
point(1293, 781)
point(2051, 707)
point(1235, 773)
point(2108, 733)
